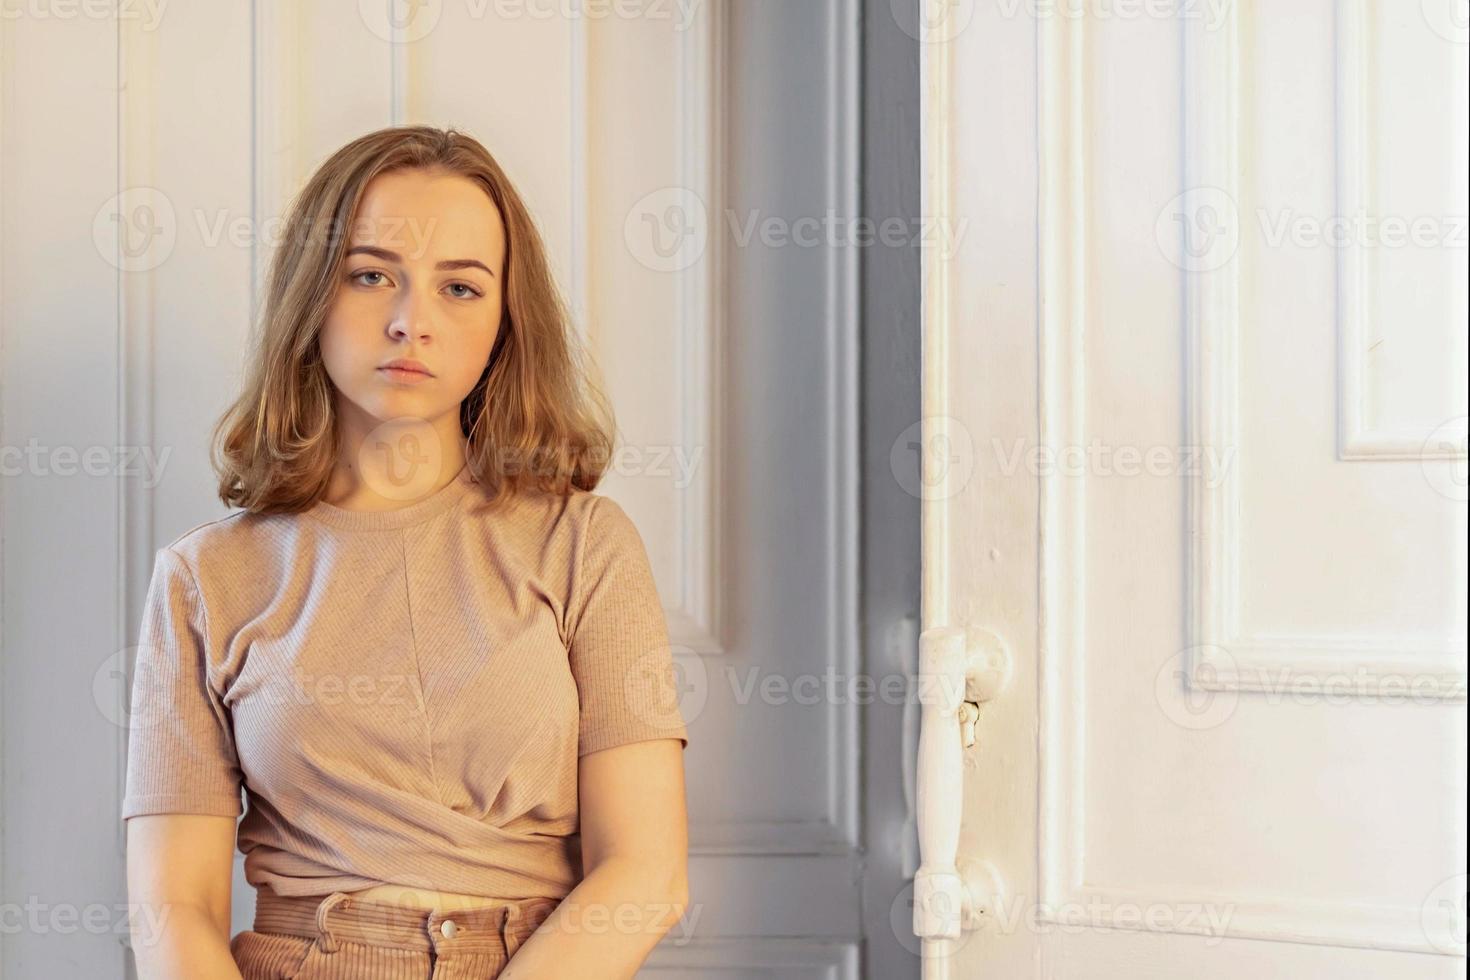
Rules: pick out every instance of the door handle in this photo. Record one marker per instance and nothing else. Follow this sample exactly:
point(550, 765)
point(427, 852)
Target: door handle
point(959, 670)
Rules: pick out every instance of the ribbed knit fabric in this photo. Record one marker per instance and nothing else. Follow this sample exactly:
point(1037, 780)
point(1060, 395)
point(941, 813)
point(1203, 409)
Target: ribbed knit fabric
point(403, 695)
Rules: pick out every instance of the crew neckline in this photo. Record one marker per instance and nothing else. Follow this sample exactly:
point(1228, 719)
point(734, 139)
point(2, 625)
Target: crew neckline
point(414, 513)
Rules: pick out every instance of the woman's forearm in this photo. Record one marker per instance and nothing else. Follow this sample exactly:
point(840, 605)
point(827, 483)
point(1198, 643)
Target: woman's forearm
point(604, 929)
point(188, 946)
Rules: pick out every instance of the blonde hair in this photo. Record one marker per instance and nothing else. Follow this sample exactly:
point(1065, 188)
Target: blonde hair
point(535, 419)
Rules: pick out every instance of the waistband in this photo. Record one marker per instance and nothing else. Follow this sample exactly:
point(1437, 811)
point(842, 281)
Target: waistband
point(338, 917)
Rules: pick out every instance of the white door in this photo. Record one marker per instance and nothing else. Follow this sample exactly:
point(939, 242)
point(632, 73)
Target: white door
point(1196, 386)
point(677, 155)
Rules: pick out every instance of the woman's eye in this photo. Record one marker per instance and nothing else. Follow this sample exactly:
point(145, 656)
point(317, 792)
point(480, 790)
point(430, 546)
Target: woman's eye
point(469, 291)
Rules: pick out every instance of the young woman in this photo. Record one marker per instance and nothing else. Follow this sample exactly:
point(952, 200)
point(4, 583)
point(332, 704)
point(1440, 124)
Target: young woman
point(432, 656)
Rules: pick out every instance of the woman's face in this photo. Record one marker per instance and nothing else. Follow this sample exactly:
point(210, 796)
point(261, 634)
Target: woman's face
point(422, 280)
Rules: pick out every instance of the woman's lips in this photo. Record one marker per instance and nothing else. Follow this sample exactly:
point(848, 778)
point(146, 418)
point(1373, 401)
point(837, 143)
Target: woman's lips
point(401, 374)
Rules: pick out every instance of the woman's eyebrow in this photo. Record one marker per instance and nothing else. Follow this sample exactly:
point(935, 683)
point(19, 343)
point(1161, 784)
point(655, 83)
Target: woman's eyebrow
point(388, 255)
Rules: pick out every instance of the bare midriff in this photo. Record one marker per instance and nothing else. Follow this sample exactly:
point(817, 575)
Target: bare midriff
point(407, 897)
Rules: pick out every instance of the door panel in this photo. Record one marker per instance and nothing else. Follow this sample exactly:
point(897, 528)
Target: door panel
point(1238, 601)
point(677, 157)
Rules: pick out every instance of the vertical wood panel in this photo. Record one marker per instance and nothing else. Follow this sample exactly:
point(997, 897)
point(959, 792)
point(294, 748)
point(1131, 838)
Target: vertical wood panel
point(60, 530)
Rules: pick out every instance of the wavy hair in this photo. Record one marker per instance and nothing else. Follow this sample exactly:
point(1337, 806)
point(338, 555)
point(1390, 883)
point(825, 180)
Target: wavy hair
point(535, 419)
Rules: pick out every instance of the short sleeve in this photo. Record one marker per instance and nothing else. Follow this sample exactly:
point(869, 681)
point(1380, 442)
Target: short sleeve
point(181, 747)
point(619, 648)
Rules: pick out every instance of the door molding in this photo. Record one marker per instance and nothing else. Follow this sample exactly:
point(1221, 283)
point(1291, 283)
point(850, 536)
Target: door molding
point(1211, 72)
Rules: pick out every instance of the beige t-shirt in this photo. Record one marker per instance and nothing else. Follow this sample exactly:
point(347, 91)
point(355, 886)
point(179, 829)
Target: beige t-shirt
point(404, 695)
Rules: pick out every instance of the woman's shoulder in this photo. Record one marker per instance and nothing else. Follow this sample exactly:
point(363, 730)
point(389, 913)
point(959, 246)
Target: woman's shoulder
point(572, 524)
point(548, 511)
point(238, 546)
point(190, 542)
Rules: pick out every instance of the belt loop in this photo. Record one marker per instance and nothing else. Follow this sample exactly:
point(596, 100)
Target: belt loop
point(325, 939)
point(507, 935)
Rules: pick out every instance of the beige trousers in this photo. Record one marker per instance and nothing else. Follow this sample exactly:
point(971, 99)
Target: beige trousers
point(336, 937)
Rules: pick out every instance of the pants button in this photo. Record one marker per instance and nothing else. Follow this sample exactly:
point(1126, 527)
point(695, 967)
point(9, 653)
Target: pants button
point(449, 928)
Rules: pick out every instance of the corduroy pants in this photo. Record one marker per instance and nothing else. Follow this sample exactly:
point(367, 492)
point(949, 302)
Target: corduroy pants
point(336, 937)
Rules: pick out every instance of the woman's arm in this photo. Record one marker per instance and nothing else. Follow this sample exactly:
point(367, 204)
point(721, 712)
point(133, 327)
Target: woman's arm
point(635, 844)
point(179, 875)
